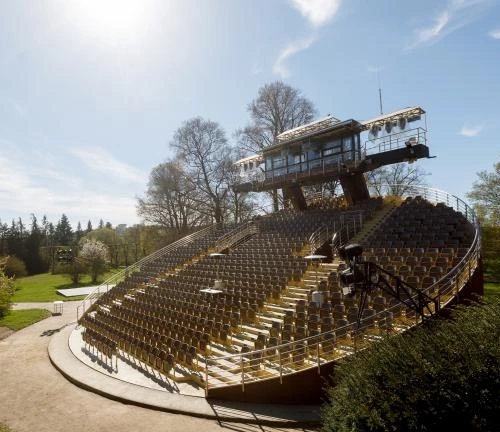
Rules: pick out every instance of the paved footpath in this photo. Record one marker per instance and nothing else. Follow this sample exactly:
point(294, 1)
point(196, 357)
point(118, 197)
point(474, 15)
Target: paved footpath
point(36, 397)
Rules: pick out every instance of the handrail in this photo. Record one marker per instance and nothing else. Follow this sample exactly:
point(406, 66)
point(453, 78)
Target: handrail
point(396, 140)
point(105, 286)
point(352, 221)
point(340, 162)
point(320, 236)
point(306, 353)
point(457, 277)
point(236, 235)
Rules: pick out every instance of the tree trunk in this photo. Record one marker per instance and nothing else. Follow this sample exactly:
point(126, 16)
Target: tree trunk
point(276, 202)
point(218, 214)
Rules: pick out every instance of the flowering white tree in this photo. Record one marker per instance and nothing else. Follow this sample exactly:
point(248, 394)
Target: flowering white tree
point(96, 256)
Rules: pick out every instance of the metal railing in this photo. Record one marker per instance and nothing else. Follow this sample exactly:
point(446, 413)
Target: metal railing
point(348, 225)
point(104, 287)
point(393, 141)
point(314, 351)
point(449, 286)
point(236, 235)
point(340, 162)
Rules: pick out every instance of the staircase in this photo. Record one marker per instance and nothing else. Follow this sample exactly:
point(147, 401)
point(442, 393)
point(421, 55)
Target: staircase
point(377, 219)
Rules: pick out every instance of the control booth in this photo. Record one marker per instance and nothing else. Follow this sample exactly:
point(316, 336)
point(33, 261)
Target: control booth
point(330, 149)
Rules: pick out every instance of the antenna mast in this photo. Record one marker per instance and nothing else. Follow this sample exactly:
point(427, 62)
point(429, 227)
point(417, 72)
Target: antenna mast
point(379, 92)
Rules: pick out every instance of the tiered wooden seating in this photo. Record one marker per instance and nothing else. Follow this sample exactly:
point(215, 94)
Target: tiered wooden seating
point(166, 321)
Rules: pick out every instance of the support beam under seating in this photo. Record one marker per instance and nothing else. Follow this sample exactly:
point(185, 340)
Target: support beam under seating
point(354, 187)
point(294, 193)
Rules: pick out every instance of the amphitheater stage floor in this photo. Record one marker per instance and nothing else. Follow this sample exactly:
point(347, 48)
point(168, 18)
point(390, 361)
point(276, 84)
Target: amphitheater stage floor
point(131, 384)
point(72, 292)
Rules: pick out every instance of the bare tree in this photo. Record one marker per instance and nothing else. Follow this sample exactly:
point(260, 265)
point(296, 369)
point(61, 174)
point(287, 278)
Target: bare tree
point(395, 179)
point(169, 199)
point(202, 146)
point(277, 108)
point(240, 206)
point(329, 189)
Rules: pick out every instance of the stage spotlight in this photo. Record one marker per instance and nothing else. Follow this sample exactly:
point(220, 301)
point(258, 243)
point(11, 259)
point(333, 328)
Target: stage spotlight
point(350, 252)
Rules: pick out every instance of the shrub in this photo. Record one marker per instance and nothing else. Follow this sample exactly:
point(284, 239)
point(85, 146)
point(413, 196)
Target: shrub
point(6, 292)
point(444, 375)
point(75, 270)
point(15, 267)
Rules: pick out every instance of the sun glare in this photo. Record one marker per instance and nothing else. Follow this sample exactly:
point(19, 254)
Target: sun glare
point(112, 20)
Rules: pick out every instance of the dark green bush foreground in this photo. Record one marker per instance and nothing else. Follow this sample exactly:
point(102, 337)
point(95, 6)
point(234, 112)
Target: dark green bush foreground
point(441, 376)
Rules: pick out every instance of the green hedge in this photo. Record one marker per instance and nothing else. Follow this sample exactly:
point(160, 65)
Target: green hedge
point(441, 376)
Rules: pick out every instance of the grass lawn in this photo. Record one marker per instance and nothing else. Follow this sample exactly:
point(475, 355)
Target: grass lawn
point(43, 287)
point(4, 428)
point(18, 319)
point(491, 289)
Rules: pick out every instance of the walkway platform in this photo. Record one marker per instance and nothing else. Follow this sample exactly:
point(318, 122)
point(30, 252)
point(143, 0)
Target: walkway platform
point(73, 292)
point(126, 385)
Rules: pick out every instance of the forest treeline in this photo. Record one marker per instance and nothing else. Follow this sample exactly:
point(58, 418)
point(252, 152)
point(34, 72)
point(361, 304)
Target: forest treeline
point(32, 246)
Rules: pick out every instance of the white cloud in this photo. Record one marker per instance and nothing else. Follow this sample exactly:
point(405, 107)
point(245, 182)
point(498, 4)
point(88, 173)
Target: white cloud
point(495, 34)
point(98, 159)
point(26, 189)
point(430, 34)
point(471, 131)
point(256, 69)
point(373, 69)
point(20, 109)
point(317, 12)
point(456, 14)
point(280, 68)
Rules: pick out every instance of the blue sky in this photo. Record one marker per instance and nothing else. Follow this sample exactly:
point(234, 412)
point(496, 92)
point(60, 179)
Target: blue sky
point(92, 91)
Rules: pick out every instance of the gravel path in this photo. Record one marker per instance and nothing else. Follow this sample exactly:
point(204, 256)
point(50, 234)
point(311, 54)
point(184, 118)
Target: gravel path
point(36, 397)
point(5, 332)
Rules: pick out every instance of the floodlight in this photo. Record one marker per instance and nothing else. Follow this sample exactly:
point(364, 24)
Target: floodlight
point(347, 253)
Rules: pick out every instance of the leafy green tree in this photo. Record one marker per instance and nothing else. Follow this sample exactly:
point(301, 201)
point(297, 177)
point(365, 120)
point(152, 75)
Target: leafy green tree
point(64, 232)
point(485, 195)
point(75, 270)
point(33, 259)
point(15, 238)
point(79, 232)
point(490, 244)
point(133, 238)
point(15, 267)
point(4, 231)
